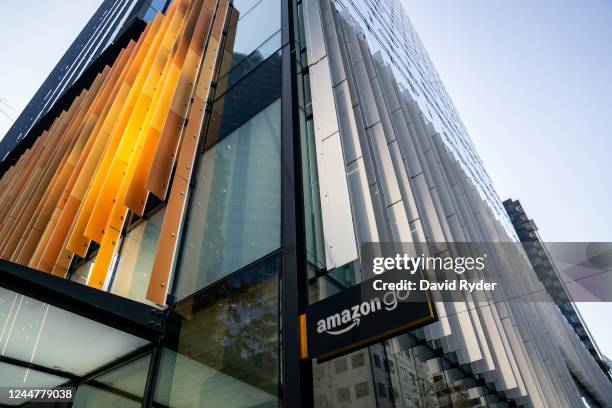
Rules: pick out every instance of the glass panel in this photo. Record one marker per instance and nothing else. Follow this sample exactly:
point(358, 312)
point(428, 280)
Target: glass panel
point(243, 64)
point(250, 33)
point(92, 397)
point(136, 259)
point(50, 337)
point(227, 353)
point(235, 209)
point(18, 377)
point(121, 387)
point(248, 97)
point(81, 273)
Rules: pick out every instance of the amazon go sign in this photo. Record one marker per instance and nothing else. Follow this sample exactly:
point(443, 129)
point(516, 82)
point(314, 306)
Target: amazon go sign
point(359, 316)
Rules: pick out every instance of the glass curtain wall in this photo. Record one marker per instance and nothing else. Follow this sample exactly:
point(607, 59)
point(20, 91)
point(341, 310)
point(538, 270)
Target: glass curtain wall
point(226, 352)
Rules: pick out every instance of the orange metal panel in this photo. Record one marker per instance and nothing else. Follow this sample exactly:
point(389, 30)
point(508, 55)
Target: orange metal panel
point(58, 235)
point(158, 178)
point(43, 218)
point(29, 199)
point(137, 194)
point(104, 259)
point(92, 214)
point(129, 148)
point(166, 250)
point(160, 169)
point(164, 257)
point(96, 227)
point(42, 243)
point(96, 166)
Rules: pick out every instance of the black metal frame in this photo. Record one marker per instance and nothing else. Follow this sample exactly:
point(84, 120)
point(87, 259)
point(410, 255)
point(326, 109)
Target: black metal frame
point(296, 375)
point(124, 314)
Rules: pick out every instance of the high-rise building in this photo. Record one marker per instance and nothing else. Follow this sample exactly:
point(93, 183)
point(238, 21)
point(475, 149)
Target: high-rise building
point(104, 28)
point(166, 233)
point(548, 274)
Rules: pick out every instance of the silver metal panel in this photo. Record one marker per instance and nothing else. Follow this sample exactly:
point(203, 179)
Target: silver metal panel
point(338, 229)
point(323, 106)
point(399, 223)
point(363, 211)
point(315, 45)
point(348, 126)
point(385, 165)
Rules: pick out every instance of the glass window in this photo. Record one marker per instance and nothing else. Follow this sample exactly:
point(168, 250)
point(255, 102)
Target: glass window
point(51, 337)
point(227, 349)
point(121, 387)
point(249, 32)
point(358, 360)
point(341, 365)
point(362, 390)
point(235, 209)
point(136, 259)
point(343, 395)
point(244, 100)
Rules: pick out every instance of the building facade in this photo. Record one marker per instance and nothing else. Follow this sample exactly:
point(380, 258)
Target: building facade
point(104, 27)
point(546, 271)
point(220, 173)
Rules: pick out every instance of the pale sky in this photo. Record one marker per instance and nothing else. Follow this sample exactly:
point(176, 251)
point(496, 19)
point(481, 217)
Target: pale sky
point(531, 81)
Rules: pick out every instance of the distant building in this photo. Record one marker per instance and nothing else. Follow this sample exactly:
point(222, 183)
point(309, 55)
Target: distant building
point(545, 269)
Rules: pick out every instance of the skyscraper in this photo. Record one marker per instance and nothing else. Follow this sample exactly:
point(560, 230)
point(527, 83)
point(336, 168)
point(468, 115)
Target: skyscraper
point(104, 27)
point(165, 237)
point(546, 271)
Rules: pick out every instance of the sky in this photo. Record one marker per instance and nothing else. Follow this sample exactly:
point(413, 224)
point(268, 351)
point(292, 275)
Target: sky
point(531, 81)
point(34, 34)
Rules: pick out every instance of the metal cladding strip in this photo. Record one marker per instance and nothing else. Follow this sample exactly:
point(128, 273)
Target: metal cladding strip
point(21, 166)
point(171, 113)
point(355, 64)
point(119, 161)
point(66, 119)
point(74, 138)
point(59, 159)
point(509, 377)
point(61, 223)
point(65, 171)
point(337, 216)
point(159, 169)
point(171, 226)
point(117, 102)
point(359, 192)
point(153, 91)
point(67, 205)
point(8, 212)
point(520, 358)
point(88, 190)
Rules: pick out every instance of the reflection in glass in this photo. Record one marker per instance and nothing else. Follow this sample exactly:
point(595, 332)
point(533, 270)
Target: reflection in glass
point(121, 387)
point(245, 99)
point(235, 210)
point(136, 259)
point(227, 353)
point(249, 31)
point(38, 333)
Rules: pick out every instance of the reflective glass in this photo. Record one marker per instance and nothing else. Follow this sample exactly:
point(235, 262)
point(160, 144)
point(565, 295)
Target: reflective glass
point(245, 99)
point(50, 337)
point(234, 216)
point(136, 259)
point(253, 27)
point(227, 352)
